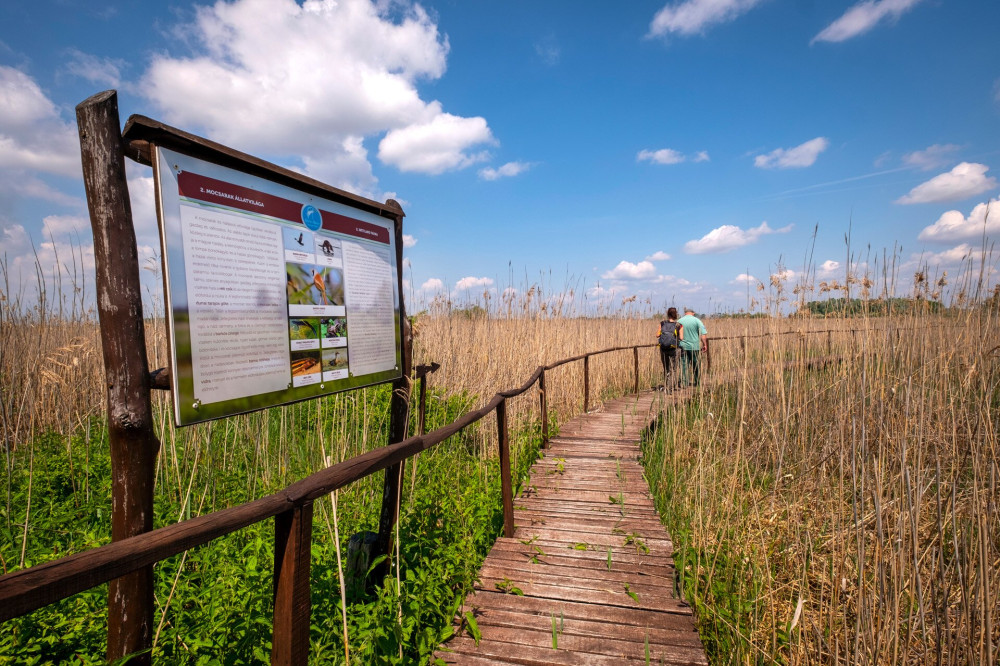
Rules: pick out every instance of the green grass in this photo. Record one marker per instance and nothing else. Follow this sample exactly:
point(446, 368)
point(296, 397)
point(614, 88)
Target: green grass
point(220, 607)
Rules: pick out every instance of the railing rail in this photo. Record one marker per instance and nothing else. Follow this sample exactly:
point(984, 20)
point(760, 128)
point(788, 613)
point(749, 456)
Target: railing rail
point(29, 589)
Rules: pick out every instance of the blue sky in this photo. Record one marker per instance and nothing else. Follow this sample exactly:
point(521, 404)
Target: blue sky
point(678, 152)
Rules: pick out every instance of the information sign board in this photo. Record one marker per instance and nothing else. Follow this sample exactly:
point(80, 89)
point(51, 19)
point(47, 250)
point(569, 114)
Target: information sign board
point(274, 295)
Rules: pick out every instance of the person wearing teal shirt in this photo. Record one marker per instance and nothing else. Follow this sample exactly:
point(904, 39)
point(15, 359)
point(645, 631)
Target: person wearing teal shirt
point(694, 340)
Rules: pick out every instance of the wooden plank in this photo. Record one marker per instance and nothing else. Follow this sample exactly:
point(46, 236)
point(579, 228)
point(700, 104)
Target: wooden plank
point(587, 517)
point(610, 594)
point(570, 576)
point(567, 537)
point(585, 498)
point(671, 650)
point(531, 655)
point(526, 547)
point(585, 566)
point(655, 631)
point(673, 613)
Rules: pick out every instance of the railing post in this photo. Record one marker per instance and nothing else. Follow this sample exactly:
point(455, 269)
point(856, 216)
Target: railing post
point(708, 355)
point(399, 417)
point(635, 354)
point(292, 603)
point(586, 383)
point(423, 405)
point(422, 371)
point(544, 408)
point(506, 485)
point(131, 437)
point(829, 342)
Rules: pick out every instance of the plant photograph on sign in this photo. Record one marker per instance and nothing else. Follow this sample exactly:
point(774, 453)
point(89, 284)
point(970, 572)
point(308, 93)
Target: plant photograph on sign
point(303, 329)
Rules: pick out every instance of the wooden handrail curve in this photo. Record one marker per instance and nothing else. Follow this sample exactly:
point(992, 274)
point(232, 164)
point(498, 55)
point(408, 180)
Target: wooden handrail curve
point(24, 591)
point(30, 589)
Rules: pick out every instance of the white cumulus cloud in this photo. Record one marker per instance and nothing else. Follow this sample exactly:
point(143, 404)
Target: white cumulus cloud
point(966, 180)
point(315, 79)
point(505, 171)
point(438, 145)
point(947, 258)
point(744, 278)
point(662, 156)
point(626, 270)
point(691, 17)
point(953, 225)
point(729, 237)
point(33, 136)
point(862, 17)
point(102, 71)
point(408, 240)
point(931, 157)
point(432, 285)
point(669, 156)
point(659, 255)
point(472, 282)
point(829, 267)
point(803, 155)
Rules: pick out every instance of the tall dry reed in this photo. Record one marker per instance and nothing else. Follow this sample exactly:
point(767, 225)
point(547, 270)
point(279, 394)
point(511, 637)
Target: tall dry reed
point(845, 513)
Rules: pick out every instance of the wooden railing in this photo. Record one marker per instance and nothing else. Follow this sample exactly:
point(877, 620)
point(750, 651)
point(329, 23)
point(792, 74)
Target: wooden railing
point(29, 589)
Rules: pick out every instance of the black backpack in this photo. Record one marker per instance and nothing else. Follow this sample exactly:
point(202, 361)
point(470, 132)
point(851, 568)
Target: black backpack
point(668, 336)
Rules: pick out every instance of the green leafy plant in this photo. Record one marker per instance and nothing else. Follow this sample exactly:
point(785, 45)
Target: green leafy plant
point(507, 586)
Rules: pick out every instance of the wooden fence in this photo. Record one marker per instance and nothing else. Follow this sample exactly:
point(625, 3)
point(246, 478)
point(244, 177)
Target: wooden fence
point(29, 589)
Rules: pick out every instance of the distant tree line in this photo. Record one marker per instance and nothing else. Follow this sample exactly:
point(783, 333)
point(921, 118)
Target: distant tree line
point(855, 307)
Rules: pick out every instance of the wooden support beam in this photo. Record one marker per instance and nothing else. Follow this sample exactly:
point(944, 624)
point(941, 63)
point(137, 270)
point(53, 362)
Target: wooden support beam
point(133, 442)
point(544, 409)
point(292, 599)
point(399, 416)
point(635, 353)
point(506, 481)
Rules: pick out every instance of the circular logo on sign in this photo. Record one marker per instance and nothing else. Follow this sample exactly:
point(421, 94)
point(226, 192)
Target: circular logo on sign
point(311, 218)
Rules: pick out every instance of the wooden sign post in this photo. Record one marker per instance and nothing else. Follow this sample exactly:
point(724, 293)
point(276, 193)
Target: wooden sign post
point(133, 442)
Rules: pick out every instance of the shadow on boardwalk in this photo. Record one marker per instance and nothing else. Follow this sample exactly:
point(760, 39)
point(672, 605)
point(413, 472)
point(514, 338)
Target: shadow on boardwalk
point(588, 577)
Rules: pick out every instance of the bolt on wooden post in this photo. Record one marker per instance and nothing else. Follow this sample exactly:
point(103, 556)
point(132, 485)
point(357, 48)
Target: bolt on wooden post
point(133, 443)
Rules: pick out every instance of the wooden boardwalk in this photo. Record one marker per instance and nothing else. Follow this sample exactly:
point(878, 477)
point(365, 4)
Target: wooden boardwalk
point(588, 577)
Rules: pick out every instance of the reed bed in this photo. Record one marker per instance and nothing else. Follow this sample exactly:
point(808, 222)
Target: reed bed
point(841, 513)
point(845, 514)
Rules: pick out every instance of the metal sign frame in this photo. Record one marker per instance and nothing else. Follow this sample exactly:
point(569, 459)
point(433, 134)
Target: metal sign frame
point(311, 256)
